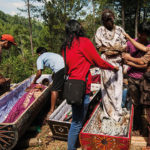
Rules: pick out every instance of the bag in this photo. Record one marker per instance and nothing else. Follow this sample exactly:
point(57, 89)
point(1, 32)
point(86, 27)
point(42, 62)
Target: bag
point(74, 91)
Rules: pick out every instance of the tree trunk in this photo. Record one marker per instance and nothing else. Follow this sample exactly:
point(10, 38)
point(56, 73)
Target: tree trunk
point(145, 14)
point(93, 4)
point(136, 18)
point(21, 46)
point(30, 25)
point(139, 17)
point(123, 14)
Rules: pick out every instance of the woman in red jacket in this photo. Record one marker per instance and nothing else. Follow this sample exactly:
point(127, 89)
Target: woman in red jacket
point(80, 55)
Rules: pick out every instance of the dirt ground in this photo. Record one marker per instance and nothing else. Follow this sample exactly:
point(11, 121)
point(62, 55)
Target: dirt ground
point(40, 138)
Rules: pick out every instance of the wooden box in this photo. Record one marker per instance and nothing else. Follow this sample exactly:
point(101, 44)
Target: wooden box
point(58, 126)
point(91, 141)
point(11, 131)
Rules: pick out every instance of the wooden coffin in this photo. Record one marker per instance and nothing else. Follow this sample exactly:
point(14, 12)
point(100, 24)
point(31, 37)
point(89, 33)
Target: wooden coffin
point(91, 141)
point(10, 132)
point(58, 123)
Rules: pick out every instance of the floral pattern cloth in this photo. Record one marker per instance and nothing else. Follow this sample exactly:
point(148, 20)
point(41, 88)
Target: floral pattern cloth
point(107, 38)
point(111, 82)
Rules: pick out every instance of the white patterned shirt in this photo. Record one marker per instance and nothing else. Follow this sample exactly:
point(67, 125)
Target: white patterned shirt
point(107, 38)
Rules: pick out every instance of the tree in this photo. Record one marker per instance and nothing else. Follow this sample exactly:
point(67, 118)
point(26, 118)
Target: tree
point(29, 8)
point(30, 24)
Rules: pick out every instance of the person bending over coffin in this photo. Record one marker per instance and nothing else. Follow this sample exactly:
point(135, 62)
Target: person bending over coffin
point(56, 63)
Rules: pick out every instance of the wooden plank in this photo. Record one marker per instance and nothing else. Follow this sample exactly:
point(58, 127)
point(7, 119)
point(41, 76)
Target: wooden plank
point(138, 143)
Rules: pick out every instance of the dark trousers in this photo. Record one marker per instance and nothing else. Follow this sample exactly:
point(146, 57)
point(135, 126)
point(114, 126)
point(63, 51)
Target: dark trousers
point(134, 95)
point(146, 122)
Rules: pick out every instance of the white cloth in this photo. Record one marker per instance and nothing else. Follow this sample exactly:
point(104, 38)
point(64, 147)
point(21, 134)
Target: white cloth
point(111, 82)
point(111, 87)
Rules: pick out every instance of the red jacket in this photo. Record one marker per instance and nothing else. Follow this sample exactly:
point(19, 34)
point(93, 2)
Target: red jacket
point(81, 56)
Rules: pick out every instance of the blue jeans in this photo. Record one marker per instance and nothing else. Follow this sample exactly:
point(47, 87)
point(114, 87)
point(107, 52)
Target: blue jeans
point(78, 118)
point(124, 97)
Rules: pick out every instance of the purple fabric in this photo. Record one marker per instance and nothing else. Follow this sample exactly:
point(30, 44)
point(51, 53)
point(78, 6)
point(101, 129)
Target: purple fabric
point(8, 101)
point(18, 108)
point(135, 72)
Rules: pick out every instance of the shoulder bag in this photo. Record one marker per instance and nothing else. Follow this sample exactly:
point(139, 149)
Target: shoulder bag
point(74, 90)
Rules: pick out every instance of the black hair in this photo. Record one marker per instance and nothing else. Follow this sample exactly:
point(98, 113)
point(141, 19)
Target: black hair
point(41, 50)
point(45, 81)
point(106, 15)
point(144, 27)
point(73, 29)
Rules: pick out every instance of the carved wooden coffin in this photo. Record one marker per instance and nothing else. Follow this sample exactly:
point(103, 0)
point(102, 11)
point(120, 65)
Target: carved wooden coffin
point(60, 120)
point(16, 115)
point(58, 125)
point(90, 141)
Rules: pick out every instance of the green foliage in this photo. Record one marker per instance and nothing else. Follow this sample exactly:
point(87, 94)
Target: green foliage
point(18, 63)
point(18, 67)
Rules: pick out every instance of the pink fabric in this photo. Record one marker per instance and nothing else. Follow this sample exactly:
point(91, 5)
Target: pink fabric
point(135, 72)
point(18, 108)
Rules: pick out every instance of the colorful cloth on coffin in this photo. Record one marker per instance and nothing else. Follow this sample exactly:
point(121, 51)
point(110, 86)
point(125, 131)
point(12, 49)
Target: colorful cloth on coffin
point(23, 103)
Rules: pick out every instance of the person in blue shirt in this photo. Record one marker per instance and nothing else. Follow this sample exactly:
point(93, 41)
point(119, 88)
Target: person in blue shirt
point(56, 63)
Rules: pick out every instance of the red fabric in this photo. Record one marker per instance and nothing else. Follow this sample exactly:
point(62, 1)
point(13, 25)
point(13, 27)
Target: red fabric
point(81, 56)
point(96, 79)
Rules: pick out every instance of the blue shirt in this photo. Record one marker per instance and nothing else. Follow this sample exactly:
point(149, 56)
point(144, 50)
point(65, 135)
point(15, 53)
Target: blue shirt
point(51, 60)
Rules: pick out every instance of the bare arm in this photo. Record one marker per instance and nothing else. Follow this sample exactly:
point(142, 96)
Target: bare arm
point(38, 74)
point(128, 57)
point(135, 65)
point(135, 43)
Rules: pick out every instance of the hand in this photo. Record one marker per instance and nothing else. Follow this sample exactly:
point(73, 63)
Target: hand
point(147, 49)
point(126, 56)
point(128, 62)
point(127, 36)
point(116, 68)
